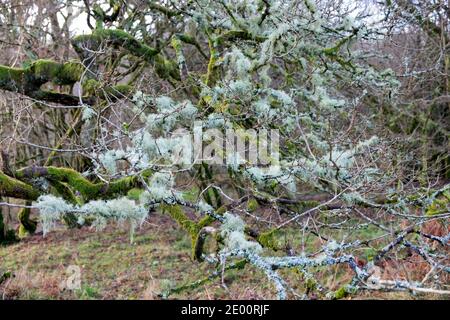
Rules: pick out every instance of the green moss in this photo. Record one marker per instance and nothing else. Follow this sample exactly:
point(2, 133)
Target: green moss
point(211, 74)
point(119, 38)
point(205, 221)
point(345, 291)
point(439, 205)
point(197, 244)
point(27, 225)
point(269, 239)
point(252, 205)
point(93, 87)
point(75, 180)
point(221, 210)
point(28, 80)
point(62, 74)
point(135, 193)
point(181, 218)
point(166, 68)
point(91, 190)
point(340, 293)
point(14, 188)
point(195, 230)
point(188, 225)
point(311, 284)
point(90, 86)
point(66, 193)
point(119, 90)
point(370, 254)
point(176, 44)
point(12, 79)
point(87, 189)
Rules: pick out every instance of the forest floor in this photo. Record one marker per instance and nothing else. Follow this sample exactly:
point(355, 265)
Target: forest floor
point(113, 268)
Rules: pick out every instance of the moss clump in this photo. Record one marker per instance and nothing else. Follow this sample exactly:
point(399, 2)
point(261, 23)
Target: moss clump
point(344, 291)
point(93, 87)
point(10, 187)
point(176, 44)
point(91, 190)
point(117, 38)
point(27, 225)
point(370, 254)
point(29, 80)
point(75, 180)
point(12, 79)
point(166, 68)
point(181, 218)
point(198, 242)
point(269, 239)
point(310, 284)
point(221, 210)
point(211, 74)
point(119, 91)
point(205, 221)
point(252, 205)
point(196, 230)
point(439, 205)
point(188, 225)
point(134, 194)
point(62, 74)
point(340, 293)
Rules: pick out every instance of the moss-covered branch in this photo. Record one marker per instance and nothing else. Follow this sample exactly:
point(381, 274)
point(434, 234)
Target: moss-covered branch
point(27, 225)
point(28, 81)
point(11, 187)
point(75, 180)
point(63, 180)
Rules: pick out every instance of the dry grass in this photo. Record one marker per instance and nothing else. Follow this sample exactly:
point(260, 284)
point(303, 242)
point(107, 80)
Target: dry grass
point(112, 268)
